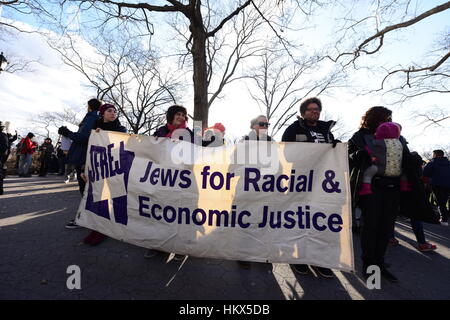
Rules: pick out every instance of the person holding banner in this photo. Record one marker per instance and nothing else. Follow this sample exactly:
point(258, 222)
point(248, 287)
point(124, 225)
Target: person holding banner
point(308, 128)
point(108, 121)
point(176, 123)
point(175, 128)
point(259, 127)
point(78, 148)
point(379, 207)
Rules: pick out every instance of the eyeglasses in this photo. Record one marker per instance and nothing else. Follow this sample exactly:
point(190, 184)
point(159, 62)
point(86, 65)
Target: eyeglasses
point(263, 124)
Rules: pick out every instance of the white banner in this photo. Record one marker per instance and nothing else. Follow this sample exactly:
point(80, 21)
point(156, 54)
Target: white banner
point(253, 201)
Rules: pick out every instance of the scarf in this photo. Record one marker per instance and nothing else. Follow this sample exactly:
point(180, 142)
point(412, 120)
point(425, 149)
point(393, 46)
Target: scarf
point(172, 128)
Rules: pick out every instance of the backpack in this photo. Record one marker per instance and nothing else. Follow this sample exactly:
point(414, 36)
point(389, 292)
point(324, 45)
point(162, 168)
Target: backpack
point(21, 145)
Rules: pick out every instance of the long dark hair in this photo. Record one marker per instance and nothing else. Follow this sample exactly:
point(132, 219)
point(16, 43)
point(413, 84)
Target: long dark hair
point(374, 116)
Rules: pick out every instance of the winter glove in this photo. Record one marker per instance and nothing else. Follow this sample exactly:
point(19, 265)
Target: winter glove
point(64, 131)
point(335, 142)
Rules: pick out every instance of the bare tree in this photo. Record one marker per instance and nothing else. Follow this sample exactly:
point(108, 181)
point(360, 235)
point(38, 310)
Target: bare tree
point(126, 74)
point(201, 30)
point(46, 123)
point(409, 79)
point(279, 85)
point(436, 117)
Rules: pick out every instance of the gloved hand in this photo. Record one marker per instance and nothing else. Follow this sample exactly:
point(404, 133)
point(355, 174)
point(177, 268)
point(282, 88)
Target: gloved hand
point(64, 131)
point(335, 142)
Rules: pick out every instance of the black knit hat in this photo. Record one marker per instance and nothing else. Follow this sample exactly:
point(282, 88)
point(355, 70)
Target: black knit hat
point(105, 107)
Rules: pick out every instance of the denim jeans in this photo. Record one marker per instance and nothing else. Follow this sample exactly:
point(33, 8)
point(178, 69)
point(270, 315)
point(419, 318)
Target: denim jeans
point(25, 163)
point(442, 195)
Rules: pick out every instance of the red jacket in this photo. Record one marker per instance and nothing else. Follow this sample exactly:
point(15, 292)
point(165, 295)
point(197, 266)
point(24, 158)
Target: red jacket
point(27, 146)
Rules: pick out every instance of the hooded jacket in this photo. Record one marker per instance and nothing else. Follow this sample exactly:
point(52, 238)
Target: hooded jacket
point(438, 170)
point(300, 132)
point(80, 139)
point(27, 146)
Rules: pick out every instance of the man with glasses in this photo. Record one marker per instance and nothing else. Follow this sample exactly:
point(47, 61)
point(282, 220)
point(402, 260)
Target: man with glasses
point(259, 126)
point(308, 128)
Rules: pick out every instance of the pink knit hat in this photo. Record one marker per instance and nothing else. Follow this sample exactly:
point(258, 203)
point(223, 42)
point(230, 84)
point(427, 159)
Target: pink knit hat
point(388, 130)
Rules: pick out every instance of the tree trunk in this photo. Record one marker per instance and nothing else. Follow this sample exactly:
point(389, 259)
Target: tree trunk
point(200, 74)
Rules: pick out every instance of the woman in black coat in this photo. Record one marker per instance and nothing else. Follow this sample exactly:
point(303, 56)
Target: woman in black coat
point(379, 208)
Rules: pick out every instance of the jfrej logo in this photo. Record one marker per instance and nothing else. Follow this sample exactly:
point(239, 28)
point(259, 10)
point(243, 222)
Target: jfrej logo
point(104, 166)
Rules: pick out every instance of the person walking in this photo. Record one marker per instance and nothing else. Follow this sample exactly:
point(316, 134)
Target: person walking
point(61, 159)
point(78, 148)
point(308, 128)
point(27, 148)
point(438, 170)
point(46, 150)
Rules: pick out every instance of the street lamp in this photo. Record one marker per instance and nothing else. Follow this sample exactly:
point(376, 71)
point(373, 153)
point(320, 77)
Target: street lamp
point(3, 62)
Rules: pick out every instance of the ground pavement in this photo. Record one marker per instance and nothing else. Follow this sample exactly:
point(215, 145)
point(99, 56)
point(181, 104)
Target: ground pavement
point(36, 251)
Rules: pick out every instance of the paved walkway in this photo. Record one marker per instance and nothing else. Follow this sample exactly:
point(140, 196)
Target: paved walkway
point(36, 251)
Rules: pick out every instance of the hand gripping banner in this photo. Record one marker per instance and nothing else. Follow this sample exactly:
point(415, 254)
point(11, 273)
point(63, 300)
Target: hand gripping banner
point(255, 201)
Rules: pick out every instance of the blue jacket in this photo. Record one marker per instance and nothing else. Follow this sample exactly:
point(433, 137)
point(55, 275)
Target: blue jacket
point(80, 139)
point(438, 170)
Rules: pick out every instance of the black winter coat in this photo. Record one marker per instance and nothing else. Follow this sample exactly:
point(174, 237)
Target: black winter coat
point(414, 204)
point(4, 145)
point(299, 132)
point(110, 126)
point(162, 132)
point(47, 150)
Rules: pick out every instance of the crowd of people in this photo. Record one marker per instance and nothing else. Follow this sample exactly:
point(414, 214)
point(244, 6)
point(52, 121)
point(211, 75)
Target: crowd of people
point(386, 178)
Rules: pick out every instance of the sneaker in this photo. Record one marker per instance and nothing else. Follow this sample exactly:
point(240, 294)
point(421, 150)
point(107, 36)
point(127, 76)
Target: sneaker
point(301, 268)
point(72, 225)
point(385, 273)
point(150, 253)
point(67, 181)
point(444, 223)
point(244, 264)
point(324, 272)
point(425, 247)
point(393, 242)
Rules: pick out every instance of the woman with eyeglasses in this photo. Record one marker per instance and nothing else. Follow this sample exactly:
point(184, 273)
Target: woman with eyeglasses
point(259, 127)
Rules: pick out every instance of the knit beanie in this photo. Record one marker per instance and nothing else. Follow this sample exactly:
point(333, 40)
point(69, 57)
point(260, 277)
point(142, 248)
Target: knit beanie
point(104, 107)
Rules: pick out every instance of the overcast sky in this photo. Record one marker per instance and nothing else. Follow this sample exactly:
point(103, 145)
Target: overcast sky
point(51, 86)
